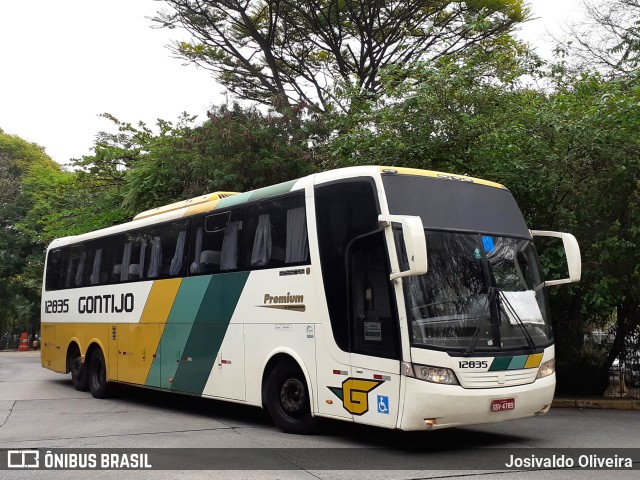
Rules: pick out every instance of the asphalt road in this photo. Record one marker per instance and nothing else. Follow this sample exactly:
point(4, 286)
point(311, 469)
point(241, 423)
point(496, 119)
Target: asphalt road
point(41, 409)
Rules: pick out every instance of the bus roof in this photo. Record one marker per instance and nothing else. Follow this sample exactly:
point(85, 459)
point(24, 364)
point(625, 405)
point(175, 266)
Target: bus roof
point(217, 200)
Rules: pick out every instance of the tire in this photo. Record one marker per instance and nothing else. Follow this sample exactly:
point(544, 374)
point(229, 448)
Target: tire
point(97, 375)
point(79, 376)
point(288, 401)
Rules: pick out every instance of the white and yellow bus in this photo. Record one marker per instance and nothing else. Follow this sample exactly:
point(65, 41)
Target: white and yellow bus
point(394, 297)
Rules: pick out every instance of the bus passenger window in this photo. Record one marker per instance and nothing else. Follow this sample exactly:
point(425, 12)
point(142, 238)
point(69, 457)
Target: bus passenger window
point(277, 233)
point(209, 238)
point(54, 270)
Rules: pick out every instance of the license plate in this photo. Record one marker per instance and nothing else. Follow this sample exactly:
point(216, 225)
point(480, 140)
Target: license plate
point(503, 405)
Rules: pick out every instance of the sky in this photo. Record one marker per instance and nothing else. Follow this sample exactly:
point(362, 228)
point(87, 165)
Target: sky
point(64, 62)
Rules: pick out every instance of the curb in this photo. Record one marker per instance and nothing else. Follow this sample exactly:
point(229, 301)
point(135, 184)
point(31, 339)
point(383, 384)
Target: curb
point(597, 403)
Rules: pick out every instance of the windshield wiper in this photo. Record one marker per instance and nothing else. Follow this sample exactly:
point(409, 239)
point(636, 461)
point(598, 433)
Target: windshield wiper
point(476, 335)
point(512, 313)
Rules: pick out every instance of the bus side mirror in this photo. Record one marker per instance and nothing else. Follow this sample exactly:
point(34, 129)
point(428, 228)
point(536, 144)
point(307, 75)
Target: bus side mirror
point(415, 244)
point(572, 254)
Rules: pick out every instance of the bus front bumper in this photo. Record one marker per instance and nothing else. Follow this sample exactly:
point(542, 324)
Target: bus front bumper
point(429, 406)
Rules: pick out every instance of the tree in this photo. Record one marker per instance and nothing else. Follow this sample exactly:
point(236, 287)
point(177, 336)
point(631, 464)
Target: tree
point(19, 256)
point(236, 149)
point(283, 53)
point(608, 38)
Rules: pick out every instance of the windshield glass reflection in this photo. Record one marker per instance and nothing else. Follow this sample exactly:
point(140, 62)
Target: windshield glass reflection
point(481, 293)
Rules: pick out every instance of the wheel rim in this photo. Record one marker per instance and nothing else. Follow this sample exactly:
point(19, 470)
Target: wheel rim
point(293, 397)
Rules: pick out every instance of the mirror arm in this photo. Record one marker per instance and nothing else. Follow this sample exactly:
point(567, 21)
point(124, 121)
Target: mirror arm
point(415, 244)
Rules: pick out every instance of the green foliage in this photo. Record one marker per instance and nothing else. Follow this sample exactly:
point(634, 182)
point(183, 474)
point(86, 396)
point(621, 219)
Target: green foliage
point(236, 149)
point(19, 255)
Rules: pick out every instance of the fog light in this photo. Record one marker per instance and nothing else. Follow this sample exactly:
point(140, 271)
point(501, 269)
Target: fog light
point(430, 422)
point(543, 410)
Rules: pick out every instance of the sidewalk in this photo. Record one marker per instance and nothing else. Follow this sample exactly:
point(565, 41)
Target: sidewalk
point(595, 402)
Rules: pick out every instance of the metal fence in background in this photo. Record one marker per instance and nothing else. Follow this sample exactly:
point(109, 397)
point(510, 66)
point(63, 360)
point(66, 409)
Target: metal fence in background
point(624, 374)
point(9, 341)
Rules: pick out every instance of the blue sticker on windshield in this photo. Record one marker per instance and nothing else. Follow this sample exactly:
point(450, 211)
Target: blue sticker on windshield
point(487, 242)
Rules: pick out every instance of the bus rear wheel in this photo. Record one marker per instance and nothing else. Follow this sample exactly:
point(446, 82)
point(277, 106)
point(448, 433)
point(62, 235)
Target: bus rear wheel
point(288, 401)
point(97, 374)
point(79, 376)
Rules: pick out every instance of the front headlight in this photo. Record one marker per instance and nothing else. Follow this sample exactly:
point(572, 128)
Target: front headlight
point(547, 368)
point(435, 374)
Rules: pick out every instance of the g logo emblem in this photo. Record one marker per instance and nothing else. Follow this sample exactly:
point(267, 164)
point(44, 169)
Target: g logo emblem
point(355, 394)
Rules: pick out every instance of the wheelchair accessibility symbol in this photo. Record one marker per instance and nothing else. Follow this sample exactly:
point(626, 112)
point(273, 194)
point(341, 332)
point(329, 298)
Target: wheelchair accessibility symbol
point(383, 404)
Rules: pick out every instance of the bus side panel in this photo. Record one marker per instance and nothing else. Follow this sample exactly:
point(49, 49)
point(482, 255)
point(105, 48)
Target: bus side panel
point(279, 311)
point(226, 379)
point(48, 339)
point(84, 334)
point(195, 330)
point(136, 348)
point(262, 341)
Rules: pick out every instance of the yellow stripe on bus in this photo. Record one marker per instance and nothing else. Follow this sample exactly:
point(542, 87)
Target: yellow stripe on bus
point(533, 361)
point(160, 301)
point(434, 174)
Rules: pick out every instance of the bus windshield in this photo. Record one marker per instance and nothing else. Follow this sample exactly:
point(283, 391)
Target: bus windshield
point(481, 293)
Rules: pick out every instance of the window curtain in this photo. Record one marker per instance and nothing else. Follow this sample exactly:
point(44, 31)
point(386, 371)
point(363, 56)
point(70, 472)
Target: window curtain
point(143, 254)
point(195, 266)
point(176, 262)
point(297, 249)
point(80, 271)
point(95, 271)
point(69, 275)
point(261, 252)
point(156, 257)
point(126, 260)
point(229, 256)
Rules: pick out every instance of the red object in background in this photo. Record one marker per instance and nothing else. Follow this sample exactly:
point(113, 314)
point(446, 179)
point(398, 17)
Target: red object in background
point(24, 342)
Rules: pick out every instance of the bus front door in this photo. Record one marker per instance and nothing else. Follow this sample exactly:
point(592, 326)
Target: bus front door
point(373, 395)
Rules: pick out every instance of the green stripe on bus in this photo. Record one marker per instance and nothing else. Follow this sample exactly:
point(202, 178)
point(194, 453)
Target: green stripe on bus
point(500, 363)
point(233, 200)
point(518, 362)
point(177, 330)
point(208, 331)
point(258, 194)
point(272, 190)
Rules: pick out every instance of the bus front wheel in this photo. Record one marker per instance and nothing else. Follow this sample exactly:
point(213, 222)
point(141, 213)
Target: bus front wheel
point(288, 401)
point(97, 373)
